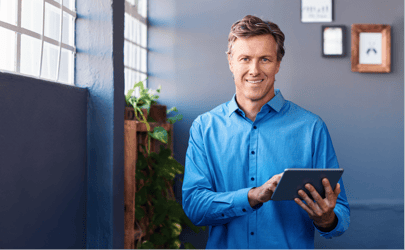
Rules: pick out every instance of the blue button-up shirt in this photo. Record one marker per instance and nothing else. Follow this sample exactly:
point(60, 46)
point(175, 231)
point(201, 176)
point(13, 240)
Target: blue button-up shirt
point(228, 154)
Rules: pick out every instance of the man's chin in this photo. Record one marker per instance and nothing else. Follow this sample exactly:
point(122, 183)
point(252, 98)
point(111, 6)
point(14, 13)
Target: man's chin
point(258, 98)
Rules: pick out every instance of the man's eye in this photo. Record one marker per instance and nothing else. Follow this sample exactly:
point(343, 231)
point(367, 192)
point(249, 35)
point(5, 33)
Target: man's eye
point(266, 60)
point(245, 59)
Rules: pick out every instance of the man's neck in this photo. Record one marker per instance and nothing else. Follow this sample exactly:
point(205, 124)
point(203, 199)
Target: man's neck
point(251, 108)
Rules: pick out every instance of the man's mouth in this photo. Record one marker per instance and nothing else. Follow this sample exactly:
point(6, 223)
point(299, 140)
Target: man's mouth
point(254, 81)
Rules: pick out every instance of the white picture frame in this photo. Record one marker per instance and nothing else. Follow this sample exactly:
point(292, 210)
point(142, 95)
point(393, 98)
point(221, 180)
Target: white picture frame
point(316, 11)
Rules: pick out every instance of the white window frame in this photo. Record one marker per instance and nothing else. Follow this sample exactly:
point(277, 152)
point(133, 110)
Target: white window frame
point(20, 30)
point(132, 10)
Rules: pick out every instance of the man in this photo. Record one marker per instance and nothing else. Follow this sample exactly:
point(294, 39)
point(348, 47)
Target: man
point(238, 151)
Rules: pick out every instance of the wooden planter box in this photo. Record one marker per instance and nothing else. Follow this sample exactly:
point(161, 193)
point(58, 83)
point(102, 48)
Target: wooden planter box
point(157, 113)
point(135, 135)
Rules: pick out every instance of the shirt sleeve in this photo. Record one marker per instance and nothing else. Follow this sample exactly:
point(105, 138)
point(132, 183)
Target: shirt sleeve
point(324, 157)
point(201, 203)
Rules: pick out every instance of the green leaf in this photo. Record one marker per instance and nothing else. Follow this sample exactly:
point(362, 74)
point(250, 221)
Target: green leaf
point(159, 134)
point(158, 239)
point(165, 153)
point(147, 245)
point(128, 96)
point(139, 213)
point(141, 162)
point(141, 196)
point(175, 118)
point(173, 109)
point(158, 218)
point(140, 86)
point(188, 245)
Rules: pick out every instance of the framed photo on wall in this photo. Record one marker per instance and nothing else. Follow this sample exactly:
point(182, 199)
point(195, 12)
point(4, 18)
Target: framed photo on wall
point(316, 11)
point(371, 48)
point(333, 40)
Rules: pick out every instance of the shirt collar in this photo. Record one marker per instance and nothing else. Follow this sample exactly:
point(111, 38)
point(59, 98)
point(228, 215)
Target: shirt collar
point(276, 103)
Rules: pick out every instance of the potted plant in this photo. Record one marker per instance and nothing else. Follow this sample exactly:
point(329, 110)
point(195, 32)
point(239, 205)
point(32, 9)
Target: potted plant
point(157, 212)
point(144, 107)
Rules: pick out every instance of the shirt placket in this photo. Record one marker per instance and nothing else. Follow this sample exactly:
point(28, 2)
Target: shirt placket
point(253, 183)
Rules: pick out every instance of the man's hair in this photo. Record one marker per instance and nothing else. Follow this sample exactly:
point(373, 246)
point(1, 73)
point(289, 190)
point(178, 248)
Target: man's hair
point(253, 26)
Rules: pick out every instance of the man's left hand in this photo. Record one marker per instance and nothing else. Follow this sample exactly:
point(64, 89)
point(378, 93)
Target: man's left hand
point(320, 211)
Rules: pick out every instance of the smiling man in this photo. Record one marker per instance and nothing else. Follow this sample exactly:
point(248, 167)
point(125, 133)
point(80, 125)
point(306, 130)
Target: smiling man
point(238, 151)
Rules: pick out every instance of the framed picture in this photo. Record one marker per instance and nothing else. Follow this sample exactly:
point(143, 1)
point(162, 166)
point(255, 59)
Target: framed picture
point(371, 48)
point(316, 11)
point(333, 41)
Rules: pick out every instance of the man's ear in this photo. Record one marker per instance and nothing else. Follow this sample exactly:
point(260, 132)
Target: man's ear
point(230, 62)
point(278, 66)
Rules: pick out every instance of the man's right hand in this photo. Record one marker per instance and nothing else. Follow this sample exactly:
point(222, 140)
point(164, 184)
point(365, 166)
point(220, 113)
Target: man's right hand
point(263, 193)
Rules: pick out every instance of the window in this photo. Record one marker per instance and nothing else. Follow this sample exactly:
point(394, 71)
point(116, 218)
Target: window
point(135, 45)
point(37, 38)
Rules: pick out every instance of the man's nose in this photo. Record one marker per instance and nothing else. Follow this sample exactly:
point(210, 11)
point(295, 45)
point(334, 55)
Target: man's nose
point(254, 68)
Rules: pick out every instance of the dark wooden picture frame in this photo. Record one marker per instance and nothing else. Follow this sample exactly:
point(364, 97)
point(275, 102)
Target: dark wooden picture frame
point(343, 28)
point(385, 30)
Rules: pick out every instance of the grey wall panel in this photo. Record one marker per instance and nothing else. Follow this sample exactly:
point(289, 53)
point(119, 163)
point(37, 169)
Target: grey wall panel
point(43, 164)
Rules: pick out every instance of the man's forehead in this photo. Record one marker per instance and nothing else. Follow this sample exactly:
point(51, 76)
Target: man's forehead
point(258, 44)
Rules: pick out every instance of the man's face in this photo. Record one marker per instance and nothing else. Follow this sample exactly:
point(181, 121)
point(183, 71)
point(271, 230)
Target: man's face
point(254, 65)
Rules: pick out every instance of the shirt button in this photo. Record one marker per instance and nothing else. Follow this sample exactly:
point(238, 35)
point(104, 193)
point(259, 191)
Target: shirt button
point(244, 210)
point(252, 233)
point(254, 127)
point(223, 215)
point(252, 179)
point(253, 152)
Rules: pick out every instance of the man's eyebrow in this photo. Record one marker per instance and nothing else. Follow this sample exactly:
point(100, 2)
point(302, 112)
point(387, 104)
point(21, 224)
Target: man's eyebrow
point(243, 55)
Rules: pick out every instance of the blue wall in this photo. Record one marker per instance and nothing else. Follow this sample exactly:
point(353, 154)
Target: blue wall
point(100, 69)
point(364, 112)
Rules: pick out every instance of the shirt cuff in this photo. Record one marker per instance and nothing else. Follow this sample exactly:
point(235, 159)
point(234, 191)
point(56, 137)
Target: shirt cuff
point(330, 234)
point(241, 202)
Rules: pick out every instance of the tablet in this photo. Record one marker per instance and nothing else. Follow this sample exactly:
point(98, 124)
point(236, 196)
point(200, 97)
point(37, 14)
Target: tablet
point(295, 179)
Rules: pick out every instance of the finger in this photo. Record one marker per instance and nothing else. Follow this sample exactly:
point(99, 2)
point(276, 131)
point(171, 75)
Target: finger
point(308, 200)
point(303, 206)
point(317, 197)
point(337, 189)
point(329, 194)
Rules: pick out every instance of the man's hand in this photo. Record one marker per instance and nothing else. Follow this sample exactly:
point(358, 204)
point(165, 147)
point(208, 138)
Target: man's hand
point(320, 211)
point(263, 193)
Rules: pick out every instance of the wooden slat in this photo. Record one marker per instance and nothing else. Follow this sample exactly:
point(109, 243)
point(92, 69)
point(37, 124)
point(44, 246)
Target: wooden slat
point(130, 156)
point(134, 136)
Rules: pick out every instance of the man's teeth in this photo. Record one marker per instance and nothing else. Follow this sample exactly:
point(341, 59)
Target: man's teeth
point(254, 81)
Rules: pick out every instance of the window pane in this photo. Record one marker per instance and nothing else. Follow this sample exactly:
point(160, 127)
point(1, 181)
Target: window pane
point(70, 4)
point(127, 25)
point(143, 35)
point(133, 56)
point(142, 10)
point(8, 11)
point(52, 21)
point(7, 49)
point(49, 61)
point(67, 30)
point(138, 58)
point(30, 55)
point(31, 15)
point(143, 60)
point(137, 31)
point(66, 66)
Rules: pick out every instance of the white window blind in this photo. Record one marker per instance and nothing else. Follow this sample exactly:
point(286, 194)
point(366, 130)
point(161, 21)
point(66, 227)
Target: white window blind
point(135, 44)
point(37, 38)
